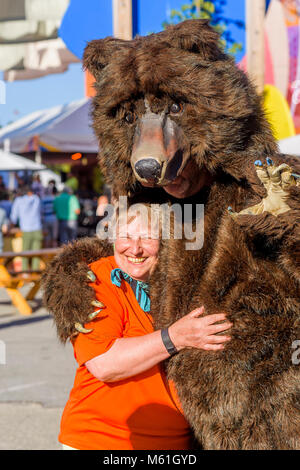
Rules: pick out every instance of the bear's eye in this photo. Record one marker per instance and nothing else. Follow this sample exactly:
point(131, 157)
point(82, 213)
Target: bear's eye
point(129, 117)
point(176, 108)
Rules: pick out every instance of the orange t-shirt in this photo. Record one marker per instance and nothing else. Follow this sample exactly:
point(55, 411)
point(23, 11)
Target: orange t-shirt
point(141, 412)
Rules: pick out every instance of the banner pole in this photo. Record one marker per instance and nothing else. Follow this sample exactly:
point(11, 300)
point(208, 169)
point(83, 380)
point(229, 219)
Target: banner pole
point(255, 40)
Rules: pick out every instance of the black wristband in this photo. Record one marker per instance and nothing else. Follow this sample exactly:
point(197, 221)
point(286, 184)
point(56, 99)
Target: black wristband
point(170, 347)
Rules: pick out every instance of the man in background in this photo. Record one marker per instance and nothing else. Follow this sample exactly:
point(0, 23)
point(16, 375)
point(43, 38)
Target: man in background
point(26, 211)
point(66, 207)
point(2, 185)
point(49, 219)
point(5, 202)
point(3, 226)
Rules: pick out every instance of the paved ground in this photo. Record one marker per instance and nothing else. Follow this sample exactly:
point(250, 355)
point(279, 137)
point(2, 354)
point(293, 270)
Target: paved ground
point(35, 380)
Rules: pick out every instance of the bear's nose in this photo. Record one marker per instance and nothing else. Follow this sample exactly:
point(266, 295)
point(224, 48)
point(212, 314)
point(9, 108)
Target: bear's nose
point(148, 168)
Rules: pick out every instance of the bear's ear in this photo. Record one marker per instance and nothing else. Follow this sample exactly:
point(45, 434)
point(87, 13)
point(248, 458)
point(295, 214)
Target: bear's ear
point(196, 36)
point(99, 52)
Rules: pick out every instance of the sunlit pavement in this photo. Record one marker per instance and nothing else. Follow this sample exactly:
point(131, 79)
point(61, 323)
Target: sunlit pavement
point(35, 380)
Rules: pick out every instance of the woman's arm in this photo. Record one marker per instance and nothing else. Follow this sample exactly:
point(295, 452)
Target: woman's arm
point(130, 356)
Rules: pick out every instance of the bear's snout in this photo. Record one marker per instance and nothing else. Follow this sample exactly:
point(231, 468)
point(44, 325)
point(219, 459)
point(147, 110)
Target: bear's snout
point(149, 169)
point(158, 154)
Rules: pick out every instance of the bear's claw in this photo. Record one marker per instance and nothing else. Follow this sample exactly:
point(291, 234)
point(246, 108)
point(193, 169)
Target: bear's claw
point(277, 179)
point(91, 276)
point(81, 329)
point(97, 303)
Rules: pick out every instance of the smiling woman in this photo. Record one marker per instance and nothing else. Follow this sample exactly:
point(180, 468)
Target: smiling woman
point(121, 398)
point(137, 241)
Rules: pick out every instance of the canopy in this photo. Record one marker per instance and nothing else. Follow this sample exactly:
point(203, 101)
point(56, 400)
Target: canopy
point(64, 128)
point(12, 162)
point(290, 146)
point(30, 46)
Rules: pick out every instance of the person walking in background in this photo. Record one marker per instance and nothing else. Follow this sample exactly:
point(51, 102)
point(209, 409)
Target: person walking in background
point(26, 210)
point(72, 182)
point(66, 207)
point(5, 202)
point(2, 185)
point(52, 187)
point(103, 201)
point(3, 226)
point(37, 186)
point(49, 219)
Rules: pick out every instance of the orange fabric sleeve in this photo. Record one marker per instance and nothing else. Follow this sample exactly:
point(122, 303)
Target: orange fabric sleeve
point(107, 326)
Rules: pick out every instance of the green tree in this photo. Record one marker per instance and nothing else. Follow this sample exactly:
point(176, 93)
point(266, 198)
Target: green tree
point(213, 11)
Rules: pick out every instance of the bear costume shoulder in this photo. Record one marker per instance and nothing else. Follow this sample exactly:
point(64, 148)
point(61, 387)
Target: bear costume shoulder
point(164, 103)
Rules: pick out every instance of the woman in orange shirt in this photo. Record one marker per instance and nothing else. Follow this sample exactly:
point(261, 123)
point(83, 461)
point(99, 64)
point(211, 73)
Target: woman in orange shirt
point(121, 399)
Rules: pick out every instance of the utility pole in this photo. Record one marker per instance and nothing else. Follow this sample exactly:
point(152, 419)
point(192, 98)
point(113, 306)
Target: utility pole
point(122, 29)
point(198, 7)
point(255, 18)
point(122, 19)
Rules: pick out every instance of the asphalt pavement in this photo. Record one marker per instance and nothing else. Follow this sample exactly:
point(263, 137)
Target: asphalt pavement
point(36, 375)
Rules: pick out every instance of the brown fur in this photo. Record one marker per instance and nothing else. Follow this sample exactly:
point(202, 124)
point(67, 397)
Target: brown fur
point(67, 294)
point(247, 396)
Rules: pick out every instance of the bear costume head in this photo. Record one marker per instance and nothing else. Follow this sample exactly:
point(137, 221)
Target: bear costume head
point(168, 98)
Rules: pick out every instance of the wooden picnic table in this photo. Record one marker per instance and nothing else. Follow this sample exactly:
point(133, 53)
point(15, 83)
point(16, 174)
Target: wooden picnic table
point(12, 280)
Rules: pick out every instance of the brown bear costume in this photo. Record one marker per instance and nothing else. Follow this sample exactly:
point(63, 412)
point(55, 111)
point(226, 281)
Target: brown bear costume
point(163, 100)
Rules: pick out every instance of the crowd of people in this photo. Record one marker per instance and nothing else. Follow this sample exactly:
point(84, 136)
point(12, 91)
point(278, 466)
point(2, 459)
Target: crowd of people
point(46, 217)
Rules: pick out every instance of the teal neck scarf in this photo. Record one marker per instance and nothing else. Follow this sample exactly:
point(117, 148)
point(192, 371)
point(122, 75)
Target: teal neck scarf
point(140, 288)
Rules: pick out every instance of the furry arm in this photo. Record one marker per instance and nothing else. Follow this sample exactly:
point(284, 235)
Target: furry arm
point(277, 212)
point(273, 223)
point(66, 291)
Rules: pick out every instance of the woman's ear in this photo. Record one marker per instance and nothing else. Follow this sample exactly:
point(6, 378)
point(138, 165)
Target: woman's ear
point(99, 52)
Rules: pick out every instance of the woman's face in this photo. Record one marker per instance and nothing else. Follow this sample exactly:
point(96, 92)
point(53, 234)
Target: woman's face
point(136, 253)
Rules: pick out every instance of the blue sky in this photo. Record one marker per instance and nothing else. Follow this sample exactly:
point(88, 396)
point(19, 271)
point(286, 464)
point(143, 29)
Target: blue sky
point(24, 97)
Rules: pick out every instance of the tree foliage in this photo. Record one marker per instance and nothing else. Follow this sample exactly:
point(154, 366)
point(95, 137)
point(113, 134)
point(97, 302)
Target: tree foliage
point(214, 11)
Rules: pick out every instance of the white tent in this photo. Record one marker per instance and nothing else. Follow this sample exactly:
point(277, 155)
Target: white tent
point(65, 128)
point(291, 145)
point(11, 162)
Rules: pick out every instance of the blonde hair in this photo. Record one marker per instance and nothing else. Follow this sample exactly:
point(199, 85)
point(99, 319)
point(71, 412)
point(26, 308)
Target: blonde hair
point(148, 214)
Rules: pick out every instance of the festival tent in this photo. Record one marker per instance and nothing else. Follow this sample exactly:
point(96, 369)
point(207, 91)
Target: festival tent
point(64, 128)
point(12, 162)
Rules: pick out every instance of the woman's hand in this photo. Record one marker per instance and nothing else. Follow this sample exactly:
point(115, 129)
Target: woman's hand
point(128, 357)
point(191, 331)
